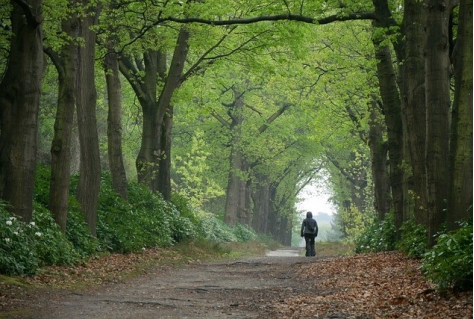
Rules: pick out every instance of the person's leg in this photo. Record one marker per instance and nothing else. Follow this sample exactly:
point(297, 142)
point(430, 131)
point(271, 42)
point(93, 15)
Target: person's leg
point(312, 244)
point(307, 239)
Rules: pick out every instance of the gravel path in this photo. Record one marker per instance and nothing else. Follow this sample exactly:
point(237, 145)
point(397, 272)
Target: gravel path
point(240, 288)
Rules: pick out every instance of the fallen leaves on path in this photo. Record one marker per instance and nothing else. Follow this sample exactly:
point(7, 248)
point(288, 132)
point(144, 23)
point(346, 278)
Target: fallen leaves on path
point(384, 285)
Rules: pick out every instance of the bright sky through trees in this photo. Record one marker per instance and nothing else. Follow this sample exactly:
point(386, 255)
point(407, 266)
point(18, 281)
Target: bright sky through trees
point(315, 199)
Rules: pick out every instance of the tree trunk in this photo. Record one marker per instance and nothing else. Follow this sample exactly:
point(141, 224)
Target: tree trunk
point(89, 181)
point(164, 170)
point(272, 224)
point(19, 104)
point(437, 77)
point(460, 195)
point(246, 218)
point(62, 139)
point(235, 183)
point(393, 120)
point(114, 125)
point(413, 102)
point(378, 150)
point(261, 201)
point(285, 231)
point(154, 161)
point(233, 191)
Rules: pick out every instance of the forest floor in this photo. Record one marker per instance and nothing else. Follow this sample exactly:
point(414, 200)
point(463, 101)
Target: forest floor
point(280, 284)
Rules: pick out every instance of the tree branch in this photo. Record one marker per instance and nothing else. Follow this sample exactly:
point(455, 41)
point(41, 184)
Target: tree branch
point(278, 17)
point(33, 21)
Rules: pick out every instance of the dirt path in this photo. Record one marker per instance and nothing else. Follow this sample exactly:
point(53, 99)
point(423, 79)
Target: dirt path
point(241, 288)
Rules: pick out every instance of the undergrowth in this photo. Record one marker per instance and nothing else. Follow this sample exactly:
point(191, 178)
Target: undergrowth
point(145, 221)
point(448, 263)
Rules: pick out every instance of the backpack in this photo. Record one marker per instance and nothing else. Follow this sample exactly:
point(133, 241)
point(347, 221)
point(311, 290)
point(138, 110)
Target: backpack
point(311, 224)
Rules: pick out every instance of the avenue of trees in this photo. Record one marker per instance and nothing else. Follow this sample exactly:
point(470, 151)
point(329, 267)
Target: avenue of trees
point(239, 105)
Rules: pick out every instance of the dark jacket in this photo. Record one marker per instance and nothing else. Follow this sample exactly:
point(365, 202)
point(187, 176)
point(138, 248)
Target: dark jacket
point(307, 222)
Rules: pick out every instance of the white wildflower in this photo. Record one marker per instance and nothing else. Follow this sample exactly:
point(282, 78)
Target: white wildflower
point(7, 240)
point(32, 224)
point(12, 218)
point(15, 232)
point(9, 222)
point(38, 234)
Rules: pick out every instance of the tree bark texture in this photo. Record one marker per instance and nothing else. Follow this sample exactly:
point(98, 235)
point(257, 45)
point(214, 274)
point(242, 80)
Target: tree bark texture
point(154, 161)
point(412, 72)
point(437, 78)
point(114, 125)
point(236, 194)
point(378, 150)
point(393, 120)
point(66, 65)
point(460, 194)
point(391, 108)
point(19, 104)
point(89, 181)
point(261, 204)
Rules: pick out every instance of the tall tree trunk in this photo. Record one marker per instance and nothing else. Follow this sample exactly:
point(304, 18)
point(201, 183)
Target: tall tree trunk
point(412, 72)
point(89, 181)
point(19, 104)
point(460, 194)
point(66, 65)
point(243, 214)
point(114, 125)
point(392, 112)
point(272, 224)
point(261, 204)
point(437, 78)
point(378, 150)
point(285, 231)
point(234, 182)
point(154, 161)
point(246, 218)
point(234, 205)
point(164, 170)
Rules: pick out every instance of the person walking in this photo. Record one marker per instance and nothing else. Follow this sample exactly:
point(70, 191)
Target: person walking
point(309, 230)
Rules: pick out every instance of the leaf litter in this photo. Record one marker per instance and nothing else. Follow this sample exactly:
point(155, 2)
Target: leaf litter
point(382, 285)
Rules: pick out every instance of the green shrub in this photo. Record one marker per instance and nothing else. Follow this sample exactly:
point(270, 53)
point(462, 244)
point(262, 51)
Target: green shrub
point(131, 226)
point(183, 206)
point(414, 239)
point(215, 230)
point(18, 254)
point(449, 263)
point(244, 233)
point(52, 246)
point(380, 236)
point(42, 185)
point(78, 233)
point(146, 220)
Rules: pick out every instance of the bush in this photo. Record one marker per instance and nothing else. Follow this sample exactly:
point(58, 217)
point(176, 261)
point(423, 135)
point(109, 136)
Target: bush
point(131, 226)
point(215, 230)
point(52, 246)
point(449, 263)
point(24, 247)
point(414, 239)
point(18, 255)
point(380, 236)
point(244, 233)
point(78, 233)
point(146, 220)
